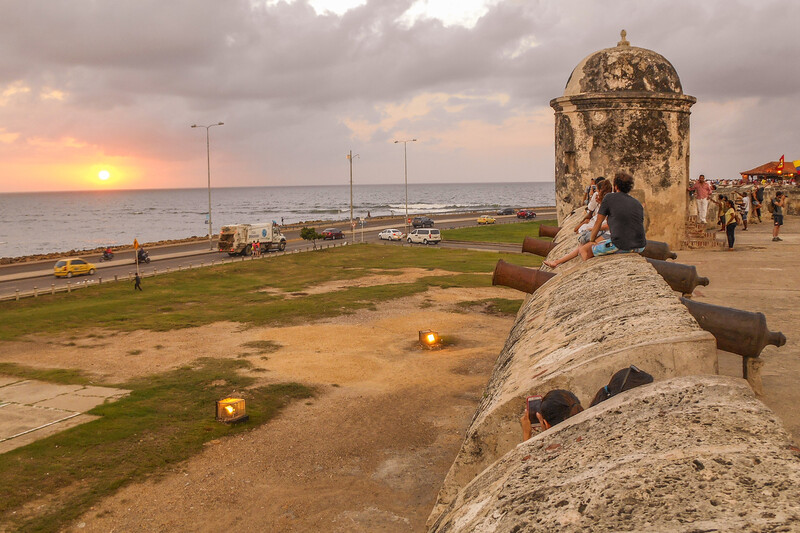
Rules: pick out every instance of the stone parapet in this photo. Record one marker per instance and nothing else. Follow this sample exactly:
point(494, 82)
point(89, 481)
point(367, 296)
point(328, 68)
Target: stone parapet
point(696, 453)
point(589, 321)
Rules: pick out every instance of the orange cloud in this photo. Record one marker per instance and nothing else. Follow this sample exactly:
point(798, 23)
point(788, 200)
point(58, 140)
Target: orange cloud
point(415, 109)
point(11, 90)
point(7, 137)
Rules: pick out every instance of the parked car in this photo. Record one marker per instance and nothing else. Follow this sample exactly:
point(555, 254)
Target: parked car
point(391, 235)
point(422, 222)
point(486, 219)
point(425, 236)
point(74, 266)
point(506, 211)
point(526, 213)
point(332, 233)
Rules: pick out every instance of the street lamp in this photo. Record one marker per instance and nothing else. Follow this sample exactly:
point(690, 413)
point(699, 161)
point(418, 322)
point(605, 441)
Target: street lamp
point(208, 156)
point(405, 172)
point(350, 156)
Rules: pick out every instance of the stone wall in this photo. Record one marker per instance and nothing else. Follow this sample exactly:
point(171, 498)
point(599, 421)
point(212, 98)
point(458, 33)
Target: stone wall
point(696, 453)
point(690, 452)
point(644, 136)
point(592, 319)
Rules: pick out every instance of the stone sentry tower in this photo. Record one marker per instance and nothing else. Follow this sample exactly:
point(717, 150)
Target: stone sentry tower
point(623, 109)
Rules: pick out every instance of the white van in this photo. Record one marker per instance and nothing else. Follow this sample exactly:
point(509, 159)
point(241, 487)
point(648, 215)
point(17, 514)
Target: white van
point(425, 236)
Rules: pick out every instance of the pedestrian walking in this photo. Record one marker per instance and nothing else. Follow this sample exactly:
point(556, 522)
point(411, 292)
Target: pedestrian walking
point(281, 221)
point(730, 222)
point(137, 282)
point(777, 214)
point(702, 190)
point(759, 199)
point(747, 208)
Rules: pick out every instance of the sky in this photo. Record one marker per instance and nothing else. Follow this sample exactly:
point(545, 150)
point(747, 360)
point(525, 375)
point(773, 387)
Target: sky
point(114, 85)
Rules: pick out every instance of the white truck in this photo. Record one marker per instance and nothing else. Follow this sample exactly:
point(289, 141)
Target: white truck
point(238, 239)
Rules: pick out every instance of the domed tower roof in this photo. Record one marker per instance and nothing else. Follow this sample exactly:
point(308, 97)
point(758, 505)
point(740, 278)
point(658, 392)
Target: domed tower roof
point(621, 69)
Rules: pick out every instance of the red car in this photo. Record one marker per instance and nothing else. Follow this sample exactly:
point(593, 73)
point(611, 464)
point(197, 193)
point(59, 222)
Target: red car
point(332, 233)
point(526, 213)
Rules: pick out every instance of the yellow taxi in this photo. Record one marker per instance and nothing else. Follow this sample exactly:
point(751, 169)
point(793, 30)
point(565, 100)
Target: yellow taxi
point(486, 220)
point(74, 266)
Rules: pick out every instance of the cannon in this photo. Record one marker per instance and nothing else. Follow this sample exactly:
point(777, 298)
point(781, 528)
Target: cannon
point(741, 332)
point(681, 278)
point(517, 277)
point(658, 250)
point(537, 246)
point(548, 231)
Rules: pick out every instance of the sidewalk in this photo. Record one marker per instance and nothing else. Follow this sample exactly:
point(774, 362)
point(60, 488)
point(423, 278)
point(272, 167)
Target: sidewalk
point(31, 410)
point(760, 275)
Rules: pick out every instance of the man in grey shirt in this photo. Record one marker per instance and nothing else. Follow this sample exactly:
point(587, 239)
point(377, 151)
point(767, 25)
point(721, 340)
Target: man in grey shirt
point(625, 220)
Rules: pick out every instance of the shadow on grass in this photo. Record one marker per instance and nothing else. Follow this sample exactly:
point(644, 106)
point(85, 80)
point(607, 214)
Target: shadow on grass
point(166, 419)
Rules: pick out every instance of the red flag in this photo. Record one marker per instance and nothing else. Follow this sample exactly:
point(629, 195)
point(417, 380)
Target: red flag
point(780, 163)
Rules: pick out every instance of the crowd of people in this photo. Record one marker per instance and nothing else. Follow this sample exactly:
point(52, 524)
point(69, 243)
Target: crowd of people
point(740, 208)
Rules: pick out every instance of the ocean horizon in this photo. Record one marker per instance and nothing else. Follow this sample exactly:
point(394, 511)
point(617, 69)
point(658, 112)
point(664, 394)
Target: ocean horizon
point(45, 222)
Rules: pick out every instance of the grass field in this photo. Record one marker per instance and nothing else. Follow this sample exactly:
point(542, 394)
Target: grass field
point(511, 233)
point(246, 292)
point(166, 419)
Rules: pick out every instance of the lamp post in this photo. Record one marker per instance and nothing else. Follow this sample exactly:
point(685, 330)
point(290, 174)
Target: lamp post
point(208, 157)
point(350, 156)
point(405, 172)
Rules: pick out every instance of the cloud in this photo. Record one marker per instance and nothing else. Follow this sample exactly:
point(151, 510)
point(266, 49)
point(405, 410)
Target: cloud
point(297, 84)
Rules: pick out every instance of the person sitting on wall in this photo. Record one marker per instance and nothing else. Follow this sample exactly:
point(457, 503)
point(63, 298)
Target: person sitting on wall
point(622, 380)
point(584, 230)
point(557, 405)
point(625, 217)
point(589, 191)
point(594, 202)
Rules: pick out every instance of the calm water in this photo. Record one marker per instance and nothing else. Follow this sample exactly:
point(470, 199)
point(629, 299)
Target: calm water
point(33, 223)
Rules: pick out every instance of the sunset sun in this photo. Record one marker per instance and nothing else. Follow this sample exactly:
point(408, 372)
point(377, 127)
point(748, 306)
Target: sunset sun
point(104, 175)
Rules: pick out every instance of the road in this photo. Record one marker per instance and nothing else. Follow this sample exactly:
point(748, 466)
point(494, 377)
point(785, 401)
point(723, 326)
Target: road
point(27, 277)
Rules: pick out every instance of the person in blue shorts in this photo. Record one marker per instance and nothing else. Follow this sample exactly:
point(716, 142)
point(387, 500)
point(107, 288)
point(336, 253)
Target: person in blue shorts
point(625, 217)
point(619, 212)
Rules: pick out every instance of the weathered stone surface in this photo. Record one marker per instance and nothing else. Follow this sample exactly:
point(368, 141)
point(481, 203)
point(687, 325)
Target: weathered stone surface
point(566, 240)
point(696, 453)
point(623, 109)
point(577, 329)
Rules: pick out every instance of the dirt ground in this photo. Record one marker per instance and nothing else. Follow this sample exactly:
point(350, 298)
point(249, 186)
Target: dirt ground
point(370, 451)
point(367, 454)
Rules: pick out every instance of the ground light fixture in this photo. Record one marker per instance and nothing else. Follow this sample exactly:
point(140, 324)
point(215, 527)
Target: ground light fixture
point(231, 410)
point(430, 339)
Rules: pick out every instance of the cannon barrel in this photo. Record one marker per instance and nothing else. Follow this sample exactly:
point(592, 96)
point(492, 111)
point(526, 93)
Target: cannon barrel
point(548, 231)
point(537, 246)
point(658, 250)
point(740, 332)
point(517, 277)
point(682, 278)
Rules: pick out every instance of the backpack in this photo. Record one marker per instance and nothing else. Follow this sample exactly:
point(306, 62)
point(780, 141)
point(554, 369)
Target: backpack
point(771, 206)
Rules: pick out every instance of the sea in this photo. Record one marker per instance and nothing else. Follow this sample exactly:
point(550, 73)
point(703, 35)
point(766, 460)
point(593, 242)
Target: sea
point(47, 222)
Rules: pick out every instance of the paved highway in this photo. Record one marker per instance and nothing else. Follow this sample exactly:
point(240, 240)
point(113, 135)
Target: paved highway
point(39, 275)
